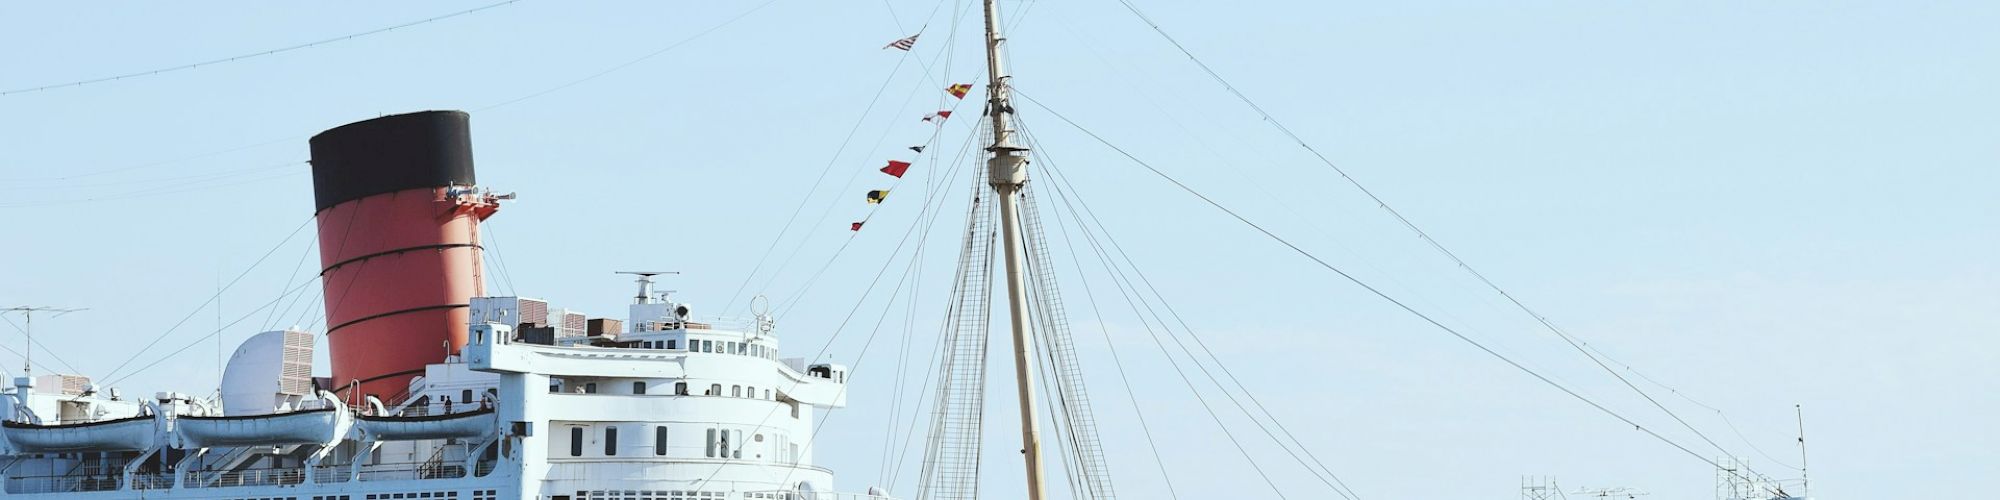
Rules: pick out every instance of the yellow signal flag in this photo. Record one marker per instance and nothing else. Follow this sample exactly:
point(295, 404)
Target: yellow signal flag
point(877, 196)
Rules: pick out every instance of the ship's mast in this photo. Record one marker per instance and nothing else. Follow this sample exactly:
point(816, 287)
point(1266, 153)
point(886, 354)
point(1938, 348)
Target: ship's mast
point(1006, 171)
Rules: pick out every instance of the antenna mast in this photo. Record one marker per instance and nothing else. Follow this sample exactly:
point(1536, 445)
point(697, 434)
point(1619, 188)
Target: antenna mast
point(645, 284)
point(1805, 480)
point(28, 314)
point(1006, 171)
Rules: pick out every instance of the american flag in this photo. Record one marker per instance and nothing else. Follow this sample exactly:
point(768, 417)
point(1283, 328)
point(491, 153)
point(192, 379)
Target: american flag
point(904, 44)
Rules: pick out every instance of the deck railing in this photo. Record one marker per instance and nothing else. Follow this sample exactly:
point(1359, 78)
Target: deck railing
point(810, 495)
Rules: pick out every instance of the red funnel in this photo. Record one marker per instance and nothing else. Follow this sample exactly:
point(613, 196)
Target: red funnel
point(399, 245)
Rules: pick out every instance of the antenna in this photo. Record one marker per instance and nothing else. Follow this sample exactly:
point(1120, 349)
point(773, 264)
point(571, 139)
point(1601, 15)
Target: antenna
point(28, 314)
point(646, 284)
point(1805, 480)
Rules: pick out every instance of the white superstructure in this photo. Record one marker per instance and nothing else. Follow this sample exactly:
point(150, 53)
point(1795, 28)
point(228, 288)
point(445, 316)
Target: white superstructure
point(667, 408)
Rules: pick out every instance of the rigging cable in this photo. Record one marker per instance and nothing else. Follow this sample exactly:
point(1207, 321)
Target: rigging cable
point(842, 326)
point(277, 315)
point(803, 200)
point(1116, 361)
point(1421, 234)
point(240, 57)
point(629, 63)
point(218, 331)
point(1377, 292)
point(935, 135)
point(37, 343)
point(211, 299)
point(1332, 480)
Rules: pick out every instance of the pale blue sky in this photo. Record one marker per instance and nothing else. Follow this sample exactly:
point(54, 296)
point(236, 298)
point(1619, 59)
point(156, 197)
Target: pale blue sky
point(1759, 204)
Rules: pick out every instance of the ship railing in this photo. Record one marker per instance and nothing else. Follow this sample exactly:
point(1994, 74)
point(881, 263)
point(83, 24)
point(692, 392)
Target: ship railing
point(332, 474)
point(153, 481)
point(249, 477)
point(810, 495)
point(64, 483)
point(411, 471)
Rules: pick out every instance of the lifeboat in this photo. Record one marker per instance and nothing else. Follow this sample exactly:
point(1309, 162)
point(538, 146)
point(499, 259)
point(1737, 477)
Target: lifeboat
point(477, 424)
point(319, 426)
point(124, 434)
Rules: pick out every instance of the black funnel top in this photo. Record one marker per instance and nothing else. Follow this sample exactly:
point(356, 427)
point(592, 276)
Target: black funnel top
point(391, 153)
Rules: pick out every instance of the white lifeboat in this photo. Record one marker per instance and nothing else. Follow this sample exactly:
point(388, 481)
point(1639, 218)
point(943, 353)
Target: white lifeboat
point(477, 424)
point(124, 434)
point(318, 426)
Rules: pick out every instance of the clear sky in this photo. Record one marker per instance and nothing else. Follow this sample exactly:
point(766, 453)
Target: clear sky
point(1756, 204)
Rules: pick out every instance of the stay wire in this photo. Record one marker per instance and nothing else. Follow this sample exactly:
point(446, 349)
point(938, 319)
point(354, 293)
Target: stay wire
point(252, 55)
point(936, 134)
point(37, 343)
point(1405, 221)
point(1324, 474)
point(866, 111)
point(307, 252)
point(1104, 329)
point(204, 338)
point(1378, 293)
point(629, 63)
point(205, 303)
point(842, 326)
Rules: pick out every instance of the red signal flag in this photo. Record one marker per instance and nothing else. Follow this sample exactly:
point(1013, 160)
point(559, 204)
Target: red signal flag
point(855, 227)
point(941, 114)
point(959, 89)
point(896, 168)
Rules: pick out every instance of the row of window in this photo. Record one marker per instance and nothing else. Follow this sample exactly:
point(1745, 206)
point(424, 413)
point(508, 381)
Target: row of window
point(715, 346)
point(681, 389)
point(722, 443)
point(648, 495)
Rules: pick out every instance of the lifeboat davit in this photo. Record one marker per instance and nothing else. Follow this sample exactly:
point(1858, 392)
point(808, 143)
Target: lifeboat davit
point(125, 434)
point(476, 425)
point(318, 426)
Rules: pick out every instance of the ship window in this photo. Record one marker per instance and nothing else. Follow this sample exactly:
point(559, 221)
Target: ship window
point(735, 391)
point(660, 440)
point(767, 394)
point(465, 396)
point(610, 441)
point(576, 441)
point(738, 452)
point(711, 443)
point(590, 388)
point(670, 344)
point(724, 445)
point(715, 389)
point(751, 393)
point(638, 387)
point(681, 388)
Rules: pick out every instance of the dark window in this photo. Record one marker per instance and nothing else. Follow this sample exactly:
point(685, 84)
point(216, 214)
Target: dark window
point(576, 441)
point(681, 388)
point(590, 388)
point(711, 443)
point(610, 441)
point(670, 344)
point(660, 440)
point(638, 387)
point(465, 396)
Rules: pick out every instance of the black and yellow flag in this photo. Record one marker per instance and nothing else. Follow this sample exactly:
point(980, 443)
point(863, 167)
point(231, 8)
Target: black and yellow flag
point(876, 196)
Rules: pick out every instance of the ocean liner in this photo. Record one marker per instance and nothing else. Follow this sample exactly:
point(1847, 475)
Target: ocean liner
point(437, 390)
